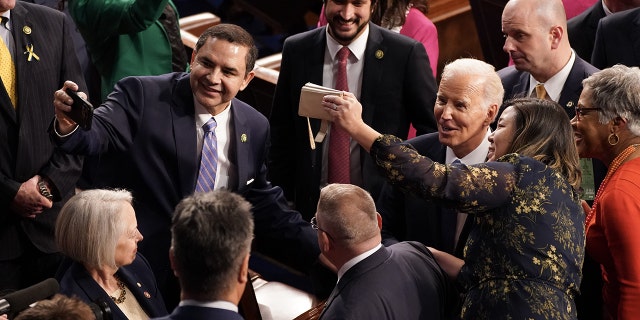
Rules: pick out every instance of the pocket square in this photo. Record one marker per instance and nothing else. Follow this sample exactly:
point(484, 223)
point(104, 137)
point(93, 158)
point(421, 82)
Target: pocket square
point(250, 181)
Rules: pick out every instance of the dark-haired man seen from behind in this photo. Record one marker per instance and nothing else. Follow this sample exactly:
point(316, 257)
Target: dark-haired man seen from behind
point(210, 243)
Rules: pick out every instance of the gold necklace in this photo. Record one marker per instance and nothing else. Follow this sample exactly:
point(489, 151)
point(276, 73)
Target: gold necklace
point(123, 292)
point(615, 164)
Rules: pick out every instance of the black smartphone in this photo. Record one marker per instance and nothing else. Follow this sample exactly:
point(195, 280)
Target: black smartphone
point(81, 110)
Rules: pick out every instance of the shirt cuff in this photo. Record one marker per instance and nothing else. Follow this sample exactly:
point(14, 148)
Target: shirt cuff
point(62, 136)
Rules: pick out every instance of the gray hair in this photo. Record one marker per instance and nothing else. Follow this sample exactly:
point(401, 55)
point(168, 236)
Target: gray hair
point(89, 226)
point(211, 235)
point(616, 91)
point(348, 213)
point(493, 91)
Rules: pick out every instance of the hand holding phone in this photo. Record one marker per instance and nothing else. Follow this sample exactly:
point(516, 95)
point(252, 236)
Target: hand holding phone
point(81, 110)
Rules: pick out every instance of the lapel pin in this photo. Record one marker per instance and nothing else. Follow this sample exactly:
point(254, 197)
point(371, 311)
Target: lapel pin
point(26, 30)
point(379, 54)
point(30, 54)
point(243, 137)
point(570, 104)
point(147, 295)
point(139, 284)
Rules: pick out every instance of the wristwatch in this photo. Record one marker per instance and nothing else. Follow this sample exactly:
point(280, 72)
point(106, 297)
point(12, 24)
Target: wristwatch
point(44, 191)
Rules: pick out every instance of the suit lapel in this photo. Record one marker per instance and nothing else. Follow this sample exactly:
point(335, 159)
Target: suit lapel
point(315, 65)
point(23, 30)
point(239, 143)
point(184, 133)
point(573, 87)
point(372, 71)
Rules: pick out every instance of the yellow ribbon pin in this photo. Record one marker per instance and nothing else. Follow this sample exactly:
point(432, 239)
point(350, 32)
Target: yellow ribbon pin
point(30, 53)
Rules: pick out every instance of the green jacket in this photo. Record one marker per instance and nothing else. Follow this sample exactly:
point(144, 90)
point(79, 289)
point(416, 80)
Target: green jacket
point(124, 38)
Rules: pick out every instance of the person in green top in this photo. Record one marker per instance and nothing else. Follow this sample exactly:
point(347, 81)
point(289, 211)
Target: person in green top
point(129, 38)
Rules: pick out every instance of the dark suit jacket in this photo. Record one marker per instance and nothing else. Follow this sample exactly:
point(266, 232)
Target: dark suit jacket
point(618, 40)
point(407, 217)
point(25, 148)
point(402, 281)
point(582, 30)
point(397, 88)
point(516, 84)
point(151, 120)
point(137, 276)
point(195, 313)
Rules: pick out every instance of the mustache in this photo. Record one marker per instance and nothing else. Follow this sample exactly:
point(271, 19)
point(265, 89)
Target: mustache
point(338, 19)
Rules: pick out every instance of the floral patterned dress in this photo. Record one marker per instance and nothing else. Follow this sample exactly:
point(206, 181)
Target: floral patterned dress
point(524, 255)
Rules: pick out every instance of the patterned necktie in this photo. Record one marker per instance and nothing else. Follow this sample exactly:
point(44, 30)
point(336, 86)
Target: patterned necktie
point(339, 162)
point(209, 158)
point(7, 68)
point(541, 93)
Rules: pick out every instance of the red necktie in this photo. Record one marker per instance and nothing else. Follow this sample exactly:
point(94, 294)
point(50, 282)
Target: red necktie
point(339, 164)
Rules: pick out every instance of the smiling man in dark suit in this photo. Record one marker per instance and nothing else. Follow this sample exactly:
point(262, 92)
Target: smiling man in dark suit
point(36, 179)
point(157, 122)
point(469, 96)
point(387, 72)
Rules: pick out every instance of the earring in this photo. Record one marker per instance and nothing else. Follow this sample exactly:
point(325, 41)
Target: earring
point(615, 137)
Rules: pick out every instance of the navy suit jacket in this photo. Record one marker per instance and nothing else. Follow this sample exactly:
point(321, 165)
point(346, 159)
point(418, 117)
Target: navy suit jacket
point(195, 313)
point(516, 84)
point(397, 88)
point(402, 281)
point(618, 40)
point(25, 148)
point(407, 217)
point(150, 121)
point(582, 30)
point(137, 276)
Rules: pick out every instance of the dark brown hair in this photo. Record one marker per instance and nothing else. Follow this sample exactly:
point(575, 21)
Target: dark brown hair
point(543, 132)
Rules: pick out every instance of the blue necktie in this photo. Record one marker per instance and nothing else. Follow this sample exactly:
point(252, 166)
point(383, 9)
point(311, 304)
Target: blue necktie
point(209, 159)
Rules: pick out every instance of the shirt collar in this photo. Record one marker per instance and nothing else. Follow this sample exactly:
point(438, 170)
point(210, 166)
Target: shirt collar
point(607, 11)
point(478, 155)
point(219, 304)
point(7, 14)
point(202, 115)
point(357, 46)
point(353, 261)
point(554, 85)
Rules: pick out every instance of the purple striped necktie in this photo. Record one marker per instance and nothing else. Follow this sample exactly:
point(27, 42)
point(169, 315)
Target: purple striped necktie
point(209, 159)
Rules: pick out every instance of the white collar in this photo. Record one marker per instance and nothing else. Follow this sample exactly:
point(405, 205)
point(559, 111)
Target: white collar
point(353, 261)
point(478, 155)
point(202, 115)
point(357, 46)
point(554, 85)
point(218, 304)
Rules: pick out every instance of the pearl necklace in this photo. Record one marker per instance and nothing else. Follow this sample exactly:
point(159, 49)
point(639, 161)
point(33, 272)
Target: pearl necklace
point(122, 297)
point(615, 164)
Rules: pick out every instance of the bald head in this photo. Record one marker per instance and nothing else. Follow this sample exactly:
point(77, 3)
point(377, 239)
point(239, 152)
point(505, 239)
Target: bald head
point(535, 36)
point(348, 213)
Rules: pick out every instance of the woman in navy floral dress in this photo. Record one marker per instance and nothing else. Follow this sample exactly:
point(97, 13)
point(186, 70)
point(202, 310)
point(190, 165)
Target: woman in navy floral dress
point(524, 254)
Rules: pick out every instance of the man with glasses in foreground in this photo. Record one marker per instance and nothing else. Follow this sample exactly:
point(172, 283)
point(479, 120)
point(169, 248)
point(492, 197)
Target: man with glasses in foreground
point(401, 281)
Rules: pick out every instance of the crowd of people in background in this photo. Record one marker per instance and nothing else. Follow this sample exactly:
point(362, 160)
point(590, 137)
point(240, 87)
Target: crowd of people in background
point(488, 194)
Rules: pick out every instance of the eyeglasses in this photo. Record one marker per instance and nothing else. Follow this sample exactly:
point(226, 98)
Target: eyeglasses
point(581, 111)
point(314, 225)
